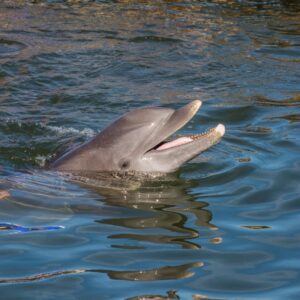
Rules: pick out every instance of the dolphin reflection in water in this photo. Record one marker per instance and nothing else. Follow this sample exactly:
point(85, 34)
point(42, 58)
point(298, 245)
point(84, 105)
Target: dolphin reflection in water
point(161, 213)
point(139, 142)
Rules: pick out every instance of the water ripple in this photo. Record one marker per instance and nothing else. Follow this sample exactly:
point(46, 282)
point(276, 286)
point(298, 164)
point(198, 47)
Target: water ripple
point(10, 47)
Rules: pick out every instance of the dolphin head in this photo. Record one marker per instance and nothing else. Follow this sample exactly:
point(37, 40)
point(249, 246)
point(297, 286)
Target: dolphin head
point(138, 142)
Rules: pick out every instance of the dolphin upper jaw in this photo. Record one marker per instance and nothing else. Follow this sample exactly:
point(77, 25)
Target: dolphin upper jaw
point(171, 122)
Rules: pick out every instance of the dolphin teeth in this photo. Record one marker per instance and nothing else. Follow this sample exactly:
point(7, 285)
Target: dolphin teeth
point(201, 135)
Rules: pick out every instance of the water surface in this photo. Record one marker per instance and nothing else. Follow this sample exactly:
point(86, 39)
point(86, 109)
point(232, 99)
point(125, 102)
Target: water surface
point(227, 225)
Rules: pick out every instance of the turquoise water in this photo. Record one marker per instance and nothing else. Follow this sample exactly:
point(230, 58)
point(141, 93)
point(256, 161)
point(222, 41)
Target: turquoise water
point(227, 225)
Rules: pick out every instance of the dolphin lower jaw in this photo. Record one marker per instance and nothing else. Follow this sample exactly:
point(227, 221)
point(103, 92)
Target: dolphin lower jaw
point(169, 159)
point(219, 130)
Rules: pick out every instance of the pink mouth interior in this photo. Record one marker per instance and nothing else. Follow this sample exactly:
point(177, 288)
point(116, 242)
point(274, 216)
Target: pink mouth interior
point(219, 131)
point(177, 142)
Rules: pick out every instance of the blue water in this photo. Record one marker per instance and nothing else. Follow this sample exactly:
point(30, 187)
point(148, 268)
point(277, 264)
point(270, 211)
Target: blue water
point(227, 225)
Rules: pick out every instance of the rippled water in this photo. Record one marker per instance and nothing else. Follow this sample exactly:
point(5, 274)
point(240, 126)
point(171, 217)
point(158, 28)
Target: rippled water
point(227, 225)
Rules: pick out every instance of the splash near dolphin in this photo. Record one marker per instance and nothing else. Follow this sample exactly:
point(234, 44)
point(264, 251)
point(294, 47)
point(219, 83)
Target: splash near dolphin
point(139, 141)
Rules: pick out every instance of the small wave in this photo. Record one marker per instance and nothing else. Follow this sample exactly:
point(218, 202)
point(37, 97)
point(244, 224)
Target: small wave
point(41, 160)
point(23, 229)
point(64, 130)
point(292, 101)
point(10, 47)
point(17, 124)
point(41, 276)
point(154, 39)
point(289, 117)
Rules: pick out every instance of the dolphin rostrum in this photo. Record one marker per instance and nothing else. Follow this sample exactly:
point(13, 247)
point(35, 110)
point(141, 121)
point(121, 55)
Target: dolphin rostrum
point(137, 142)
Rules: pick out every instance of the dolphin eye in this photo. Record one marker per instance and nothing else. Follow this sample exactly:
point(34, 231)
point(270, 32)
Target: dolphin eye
point(125, 164)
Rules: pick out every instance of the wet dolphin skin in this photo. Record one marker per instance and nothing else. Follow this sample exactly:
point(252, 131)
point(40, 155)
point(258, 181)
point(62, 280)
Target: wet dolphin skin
point(140, 141)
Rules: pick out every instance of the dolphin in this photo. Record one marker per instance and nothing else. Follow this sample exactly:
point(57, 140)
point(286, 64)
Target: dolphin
point(138, 142)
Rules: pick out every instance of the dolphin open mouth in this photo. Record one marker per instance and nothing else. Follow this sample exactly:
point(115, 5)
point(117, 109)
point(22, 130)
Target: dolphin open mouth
point(182, 116)
point(219, 130)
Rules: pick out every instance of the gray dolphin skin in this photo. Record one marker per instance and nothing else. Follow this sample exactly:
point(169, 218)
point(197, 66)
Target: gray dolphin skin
point(137, 142)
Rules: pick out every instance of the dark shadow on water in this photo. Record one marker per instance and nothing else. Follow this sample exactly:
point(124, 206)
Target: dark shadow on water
point(163, 273)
